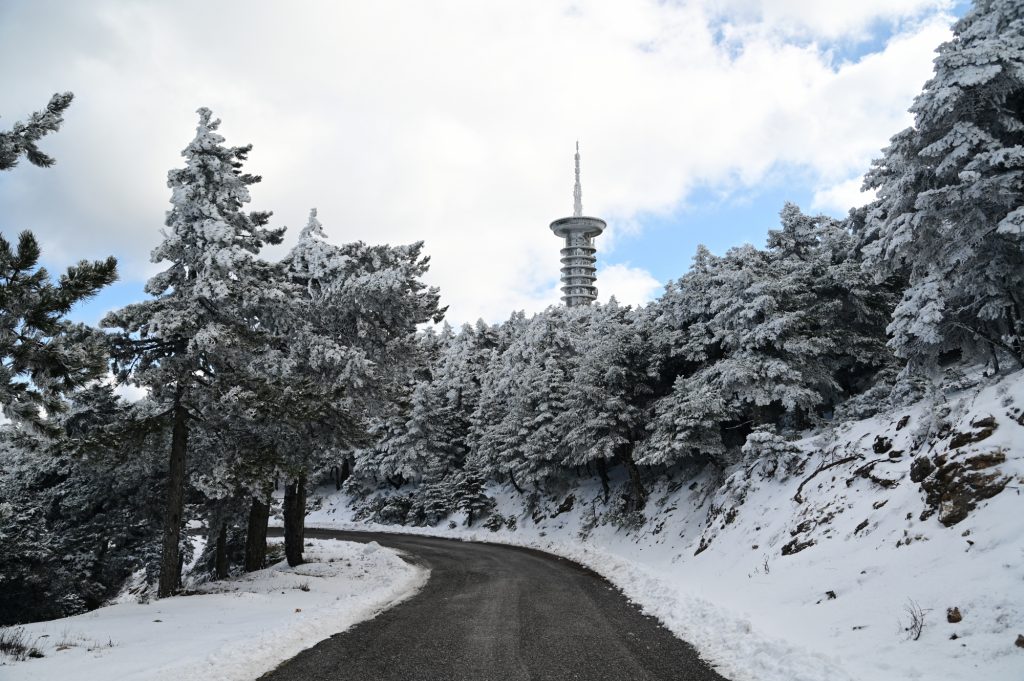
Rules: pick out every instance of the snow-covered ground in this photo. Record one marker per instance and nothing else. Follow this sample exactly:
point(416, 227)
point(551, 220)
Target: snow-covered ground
point(236, 629)
point(860, 556)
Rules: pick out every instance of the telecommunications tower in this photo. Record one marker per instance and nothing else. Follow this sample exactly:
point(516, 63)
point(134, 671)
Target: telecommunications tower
point(578, 254)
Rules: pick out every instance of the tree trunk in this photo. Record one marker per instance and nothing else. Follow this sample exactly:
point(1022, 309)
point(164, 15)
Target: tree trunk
point(294, 520)
point(995, 358)
point(220, 561)
point(639, 493)
point(1015, 327)
point(346, 470)
point(512, 479)
point(602, 470)
point(256, 536)
point(170, 563)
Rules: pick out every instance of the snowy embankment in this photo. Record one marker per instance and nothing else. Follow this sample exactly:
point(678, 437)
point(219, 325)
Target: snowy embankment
point(817, 575)
point(235, 629)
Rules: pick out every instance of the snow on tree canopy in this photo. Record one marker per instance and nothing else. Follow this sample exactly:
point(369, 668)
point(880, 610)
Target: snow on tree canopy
point(950, 193)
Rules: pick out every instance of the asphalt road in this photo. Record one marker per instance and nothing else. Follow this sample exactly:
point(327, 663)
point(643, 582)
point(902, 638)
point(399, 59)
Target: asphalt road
point(492, 612)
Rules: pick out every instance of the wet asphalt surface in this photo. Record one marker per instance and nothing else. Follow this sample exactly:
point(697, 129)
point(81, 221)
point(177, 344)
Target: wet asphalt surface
point(492, 612)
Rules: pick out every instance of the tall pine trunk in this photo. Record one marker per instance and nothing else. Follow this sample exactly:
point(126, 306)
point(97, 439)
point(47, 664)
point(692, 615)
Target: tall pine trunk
point(639, 493)
point(602, 470)
point(294, 520)
point(256, 536)
point(170, 558)
point(221, 557)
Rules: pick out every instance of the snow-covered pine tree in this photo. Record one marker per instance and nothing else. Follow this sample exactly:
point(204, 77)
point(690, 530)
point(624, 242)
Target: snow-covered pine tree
point(950, 209)
point(611, 394)
point(79, 513)
point(173, 343)
point(354, 350)
point(766, 337)
point(819, 255)
point(519, 432)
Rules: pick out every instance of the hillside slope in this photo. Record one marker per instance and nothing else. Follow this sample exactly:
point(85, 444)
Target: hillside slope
point(821, 571)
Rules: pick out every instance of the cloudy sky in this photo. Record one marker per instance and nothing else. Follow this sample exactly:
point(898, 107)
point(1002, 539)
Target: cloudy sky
point(454, 122)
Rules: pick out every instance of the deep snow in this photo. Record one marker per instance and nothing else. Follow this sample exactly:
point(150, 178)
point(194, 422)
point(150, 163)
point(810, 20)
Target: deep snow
point(759, 615)
point(232, 630)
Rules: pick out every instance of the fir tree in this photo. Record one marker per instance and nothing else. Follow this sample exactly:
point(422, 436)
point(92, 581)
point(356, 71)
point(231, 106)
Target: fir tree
point(611, 394)
point(351, 350)
point(949, 215)
point(176, 343)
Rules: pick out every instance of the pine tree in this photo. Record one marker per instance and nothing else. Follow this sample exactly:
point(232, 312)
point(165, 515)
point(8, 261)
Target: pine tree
point(82, 514)
point(774, 337)
point(519, 428)
point(21, 139)
point(611, 394)
point(42, 355)
point(352, 349)
point(175, 344)
point(950, 209)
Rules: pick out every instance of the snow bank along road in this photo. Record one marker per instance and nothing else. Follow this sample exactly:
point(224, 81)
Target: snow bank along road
point(492, 612)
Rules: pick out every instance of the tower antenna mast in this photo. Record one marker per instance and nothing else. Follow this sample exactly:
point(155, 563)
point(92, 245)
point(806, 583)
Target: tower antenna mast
point(577, 192)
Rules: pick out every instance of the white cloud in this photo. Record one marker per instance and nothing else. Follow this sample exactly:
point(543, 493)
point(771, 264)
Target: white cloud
point(840, 198)
point(629, 285)
point(450, 121)
point(131, 393)
point(823, 20)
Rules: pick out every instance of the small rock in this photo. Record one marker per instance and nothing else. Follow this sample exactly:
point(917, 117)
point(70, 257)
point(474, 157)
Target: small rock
point(796, 546)
point(986, 422)
point(565, 506)
point(985, 428)
point(1020, 641)
point(953, 637)
point(953, 615)
point(921, 468)
point(298, 609)
point(903, 422)
point(881, 445)
point(985, 460)
point(861, 526)
point(953, 511)
point(831, 595)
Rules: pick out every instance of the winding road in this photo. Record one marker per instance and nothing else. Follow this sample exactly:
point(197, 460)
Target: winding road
point(497, 613)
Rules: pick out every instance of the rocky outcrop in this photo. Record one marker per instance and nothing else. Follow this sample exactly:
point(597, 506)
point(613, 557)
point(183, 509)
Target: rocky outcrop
point(954, 486)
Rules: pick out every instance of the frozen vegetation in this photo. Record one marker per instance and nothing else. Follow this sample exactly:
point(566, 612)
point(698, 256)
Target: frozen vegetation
point(804, 457)
point(814, 569)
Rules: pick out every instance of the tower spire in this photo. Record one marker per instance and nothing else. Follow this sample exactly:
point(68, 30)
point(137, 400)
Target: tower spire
point(577, 192)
